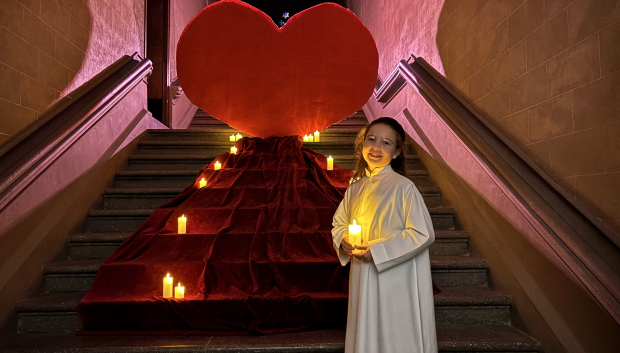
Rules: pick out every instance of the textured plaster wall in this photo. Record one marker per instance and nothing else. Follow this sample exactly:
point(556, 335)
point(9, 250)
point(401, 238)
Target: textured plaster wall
point(181, 12)
point(548, 302)
point(547, 73)
point(50, 47)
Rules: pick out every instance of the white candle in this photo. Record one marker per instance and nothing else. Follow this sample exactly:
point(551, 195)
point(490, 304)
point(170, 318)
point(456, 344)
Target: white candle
point(179, 292)
point(317, 136)
point(305, 138)
point(182, 225)
point(217, 165)
point(355, 236)
point(203, 183)
point(330, 163)
point(167, 286)
point(239, 136)
point(232, 137)
point(233, 150)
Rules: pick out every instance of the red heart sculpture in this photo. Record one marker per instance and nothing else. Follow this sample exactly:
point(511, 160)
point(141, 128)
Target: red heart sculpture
point(237, 65)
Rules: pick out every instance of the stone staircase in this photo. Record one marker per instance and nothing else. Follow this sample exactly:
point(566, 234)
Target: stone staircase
point(470, 316)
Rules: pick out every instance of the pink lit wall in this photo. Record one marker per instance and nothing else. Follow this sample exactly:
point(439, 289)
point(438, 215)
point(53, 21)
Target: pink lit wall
point(49, 48)
point(548, 302)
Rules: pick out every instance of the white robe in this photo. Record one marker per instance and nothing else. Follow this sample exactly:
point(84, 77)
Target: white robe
point(391, 307)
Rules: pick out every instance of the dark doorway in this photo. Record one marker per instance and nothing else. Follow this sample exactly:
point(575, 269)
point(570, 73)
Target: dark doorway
point(276, 8)
point(157, 29)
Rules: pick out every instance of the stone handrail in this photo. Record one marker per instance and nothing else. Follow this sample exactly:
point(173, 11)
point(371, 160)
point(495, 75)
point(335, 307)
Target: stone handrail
point(29, 153)
point(586, 245)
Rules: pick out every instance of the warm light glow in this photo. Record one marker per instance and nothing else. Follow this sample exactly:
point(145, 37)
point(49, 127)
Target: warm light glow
point(233, 150)
point(310, 138)
point(305, 138)
point(330, 163)
point(179, 292)
point(167, 286)
point(232, 137)
point(350, 181)
point(317, 136)
point(239, 136)
point(182, 225)
point(355, 236)
point(217, 165)
point(203, 183)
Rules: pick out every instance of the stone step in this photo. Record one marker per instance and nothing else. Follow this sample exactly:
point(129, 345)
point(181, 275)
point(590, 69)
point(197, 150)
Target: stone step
point(147, 198)
point(167, 163)
point(57, 312)
point(223, 135)
point(101, 221)
point(99, 246)
point(447, 271)
point(450, 338)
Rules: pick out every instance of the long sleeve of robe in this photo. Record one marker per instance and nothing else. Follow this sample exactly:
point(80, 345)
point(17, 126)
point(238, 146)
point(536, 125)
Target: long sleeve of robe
point(391, 306)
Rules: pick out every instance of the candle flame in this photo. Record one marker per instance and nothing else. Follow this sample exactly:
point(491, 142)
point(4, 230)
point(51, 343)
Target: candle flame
point(167, 275)
point(203, 179)
point(179, 285)
point(354, 223)
point(183, 217)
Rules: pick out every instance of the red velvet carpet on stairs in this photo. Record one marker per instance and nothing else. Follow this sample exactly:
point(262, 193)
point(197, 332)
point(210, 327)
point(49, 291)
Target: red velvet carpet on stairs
point(257, 256)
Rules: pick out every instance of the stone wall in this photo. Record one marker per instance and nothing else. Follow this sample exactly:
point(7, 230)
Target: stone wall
point(547, 73)
point(50, 47)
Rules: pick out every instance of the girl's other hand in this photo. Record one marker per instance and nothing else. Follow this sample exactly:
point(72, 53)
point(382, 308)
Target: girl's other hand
point(363, 253)
point(346, 246)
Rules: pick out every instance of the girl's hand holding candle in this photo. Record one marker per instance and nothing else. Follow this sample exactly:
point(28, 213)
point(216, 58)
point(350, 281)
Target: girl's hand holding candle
point(167, 286)
point(355, 236)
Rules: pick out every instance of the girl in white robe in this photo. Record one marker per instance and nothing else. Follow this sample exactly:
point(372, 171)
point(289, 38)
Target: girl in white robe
point(391, 307)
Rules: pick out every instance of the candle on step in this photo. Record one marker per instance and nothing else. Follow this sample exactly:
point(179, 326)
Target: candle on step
point(239, 136)
point(317, 136)
point(232, 137)
point(330, 163)
point(305, 138)
point(203, 183)
point(310, 138)
point(233, 150)
point(182, 225)
point(179, 292)
point(167, 286)
point(355, 236)
point(217, 165)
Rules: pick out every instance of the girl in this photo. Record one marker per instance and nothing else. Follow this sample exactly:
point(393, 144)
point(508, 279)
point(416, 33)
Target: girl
point(391, 306)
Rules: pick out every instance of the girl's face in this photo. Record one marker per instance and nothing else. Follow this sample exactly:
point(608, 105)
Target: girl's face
point(380, 146)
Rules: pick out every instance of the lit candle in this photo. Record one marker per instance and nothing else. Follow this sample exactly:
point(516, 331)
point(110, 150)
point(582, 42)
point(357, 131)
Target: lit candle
point(179, 292)
point(239, 136)
point(232, 137)
point(355, 236)
point(217, 165)
point(310, 138)
point(167, 286)
point(233, 150)
point(203, 183)
point(305, 138)
point(330, 163)
point(182, 225)
point(317, 136)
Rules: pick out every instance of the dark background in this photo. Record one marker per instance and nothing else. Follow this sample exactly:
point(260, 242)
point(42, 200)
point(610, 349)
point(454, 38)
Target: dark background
point(275, 8)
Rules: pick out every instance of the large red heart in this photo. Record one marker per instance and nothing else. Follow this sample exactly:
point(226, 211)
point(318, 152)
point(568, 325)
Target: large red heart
point(238, 66)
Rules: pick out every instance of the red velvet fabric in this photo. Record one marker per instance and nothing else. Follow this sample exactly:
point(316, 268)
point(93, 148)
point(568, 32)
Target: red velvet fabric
point(257, 256)
point(237, 65)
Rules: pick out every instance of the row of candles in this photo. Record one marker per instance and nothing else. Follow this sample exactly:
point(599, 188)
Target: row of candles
point(179, 291)
point(313, 138)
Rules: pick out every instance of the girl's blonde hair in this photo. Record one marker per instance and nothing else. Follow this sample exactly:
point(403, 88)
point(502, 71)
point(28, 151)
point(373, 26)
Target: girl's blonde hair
point(398, 164)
